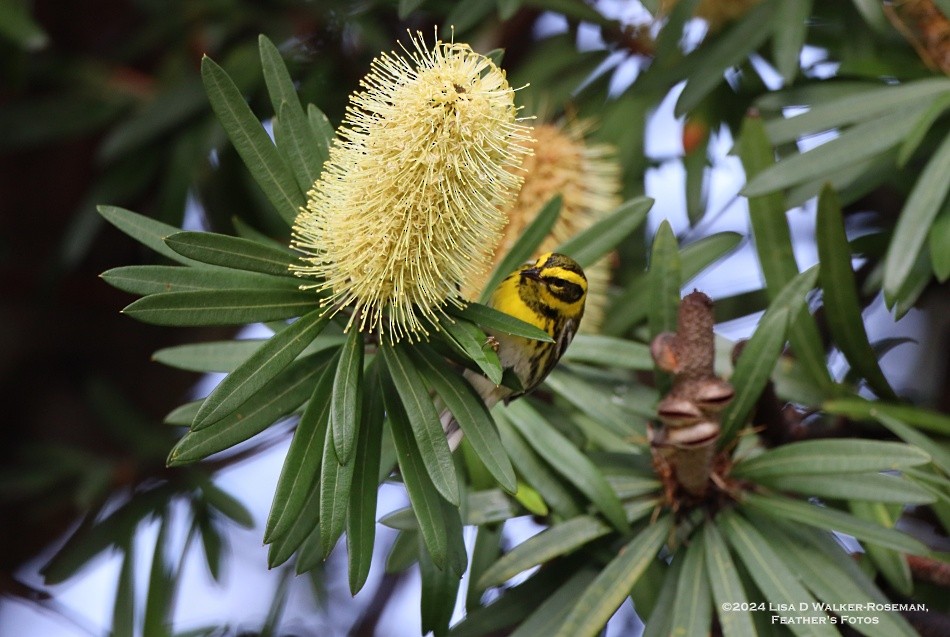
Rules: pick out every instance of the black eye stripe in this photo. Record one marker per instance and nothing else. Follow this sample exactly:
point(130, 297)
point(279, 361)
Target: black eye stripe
point(564, 290)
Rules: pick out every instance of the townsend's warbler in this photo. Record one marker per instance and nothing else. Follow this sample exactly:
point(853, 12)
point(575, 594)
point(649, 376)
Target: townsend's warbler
point(548, 293)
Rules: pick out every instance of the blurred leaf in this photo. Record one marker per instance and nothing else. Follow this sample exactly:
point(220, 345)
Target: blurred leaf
point(284, 393)
point(485, 551)
point(508, 8)
point(465, 16)
point(123, 609)
point(227, 505)
point(469, 340)
point(493, 319)
point(939, 454)
point(919, 133)
point(260, 367)
point(871, 487)
point(183, 415)
point(773, 245)
point(234, 306)
point(231, 252)
point(159, 604)
point(601, 599)
point(632, 305)
point(408, 6)
point(862, 141)
point(696, 184)
point(553, 542)
point(831, 456)
point(217, 356)
point(561, 454)
point(840, 295)
point(439, 590)
point(760, 354)
point(590, 245)
point(892, 564)
point(659, 621)
point(692, 611)
point(940, 237)
point(301, 468)
point(915, 221)
point(791, 27)
point(422, 492)
point(546, 617)
point(211, 541)
point(347, 400)
point(858, 103)
point(145, 280)
point(832, 519)
point(470, 413)
point(403, 553)
point(769, 572)
point(423, 420)
point(361, 514)
point(725, 585)
point(525, 246)
point(19, 27)
point(489, 506)
point(729, 49)
point(596, 401)
point(608, 352)
point(861, 409)
point(146, 231)
point(250, 140)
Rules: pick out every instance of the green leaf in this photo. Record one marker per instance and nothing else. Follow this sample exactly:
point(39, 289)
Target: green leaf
point(769, 572)
point(439, 590)
point(323, 129)
point(336, 478)
point(347, 397)
point(144, 280)
point(263, 365)
point(251, 142)
point(665, 277)
point(938, 453)
point(485, 551)
point(608, 590)
point(553, 542)
point(547, 616)
point(861, 409)
point(123, 609)
point(226, 356)
point(227, 505)
point(231, 252)
point(592, 244)
point(891, 564)
point(159, 604)
point(871, 487)
point(492, 319)
point(594, 401)
point(760, 354)
point(423, 495)
point(470, 341)
point(284, 393)
point(424, 421)
point(301, 469)
point(222, 307)
point(361, 514)
point(862, 141)
point(525, 246)
point(608, 351)
point(302, 529)
point(773, 245)
point(470, 413)
point(692, 612)
point(939, 237)
point(868, 102)
point(147, 231)
point(916, 136)
point(790, 27)
point(830, 457)
point(489, 506)
point(561, 454)
point(506, 10)
point(18, 26)
point(726, 585)
point(408, 6)
point(832, 519)
point(840, 294)
point(727, 50)
point(633, 304)
point(921, 208)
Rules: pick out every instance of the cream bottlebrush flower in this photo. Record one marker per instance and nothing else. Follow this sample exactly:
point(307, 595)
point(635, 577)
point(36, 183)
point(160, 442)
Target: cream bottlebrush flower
point(588, 179)
point(408, 206)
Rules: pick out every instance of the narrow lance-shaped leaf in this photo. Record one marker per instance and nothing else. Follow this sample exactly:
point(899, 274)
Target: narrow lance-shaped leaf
point(231, 252)
point(145, 230)
point(491, 318)
point(422, 493)
point(424, 421)
point(726, 586)
point(470, 413)
point(830, 457)
point(361, 514)
point(590, 245)
point(608, 590)
point(265, 363)
point(144, 280)
point(251, 141)
point(336, 478)
point(665, 277)
point(234, 306)
point(692, 613)
point(347, 398)
point(922, 206)
point(301, 468)
point(470, 341)
point(525, 246)
point(840, 294)
point(773, 244)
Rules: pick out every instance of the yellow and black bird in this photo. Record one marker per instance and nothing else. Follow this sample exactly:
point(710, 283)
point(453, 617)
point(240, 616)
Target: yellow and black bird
point(548, 293)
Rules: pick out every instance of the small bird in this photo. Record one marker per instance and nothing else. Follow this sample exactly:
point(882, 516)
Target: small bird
point(548, 293)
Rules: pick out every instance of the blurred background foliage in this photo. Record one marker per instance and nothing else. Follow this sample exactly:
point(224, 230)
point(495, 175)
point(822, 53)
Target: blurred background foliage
point(102, 102)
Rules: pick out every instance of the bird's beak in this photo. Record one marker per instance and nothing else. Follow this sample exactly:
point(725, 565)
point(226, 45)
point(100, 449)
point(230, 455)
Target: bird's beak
point(531, 273)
